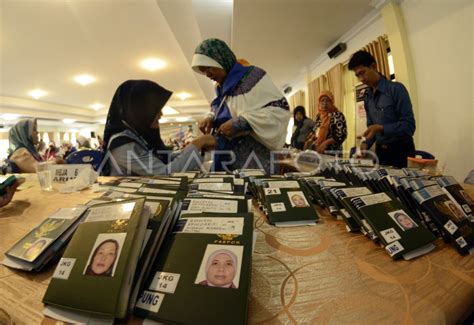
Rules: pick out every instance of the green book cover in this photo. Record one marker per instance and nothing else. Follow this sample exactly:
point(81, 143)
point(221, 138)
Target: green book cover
point(202, 275)
point(343, 194)
point(402, 234)
point(449, 218)
point(287, 207)
point(37, 242)
point(94, 275)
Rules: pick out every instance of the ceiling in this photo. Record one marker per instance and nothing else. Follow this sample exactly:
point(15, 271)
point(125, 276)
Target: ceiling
point(45, 43)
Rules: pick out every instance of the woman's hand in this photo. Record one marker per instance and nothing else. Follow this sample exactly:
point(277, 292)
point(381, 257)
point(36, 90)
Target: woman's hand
point(206, 125)
point(204, 142)
point(226, 129)
point(7, 197)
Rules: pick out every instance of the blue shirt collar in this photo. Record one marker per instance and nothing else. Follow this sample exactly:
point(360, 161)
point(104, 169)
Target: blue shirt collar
point(382, 86)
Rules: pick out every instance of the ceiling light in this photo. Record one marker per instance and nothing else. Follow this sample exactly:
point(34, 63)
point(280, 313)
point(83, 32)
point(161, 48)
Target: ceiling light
point(163, 120)
point(182, 119)
point(37, 93)
point(169, 111)
point(84, 79)
point(183, 95)
point(68, 121)
point(10, 117)
point(97, 106)
point(153, 64)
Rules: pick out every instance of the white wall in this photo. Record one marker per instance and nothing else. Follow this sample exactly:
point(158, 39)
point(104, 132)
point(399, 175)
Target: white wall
point(440, 34)
point(359, 36)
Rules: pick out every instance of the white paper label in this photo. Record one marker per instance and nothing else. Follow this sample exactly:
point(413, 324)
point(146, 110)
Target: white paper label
point(450, 227)
point(215, 186)
point(203, 205)
point(150, 301)
point(214, 225)
point(165, 282)
point(110, 212)
point(357, 191)
point(239, 181)
point(63, 173)
point(209, 180)
point(394, 248)
point(345, 213)
point(272, 191)
point(461, 241)
point(130, 184)
point(163, 182)
point(375, 198)
point(64, 268)
point(348, 229)
point(278, 207)
point(466, 208)
point(283, 184)
point(155, 190)
point(390, 235)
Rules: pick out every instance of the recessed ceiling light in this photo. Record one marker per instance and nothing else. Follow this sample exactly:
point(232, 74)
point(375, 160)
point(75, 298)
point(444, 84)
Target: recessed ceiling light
point(152, 64)
point(37, 93)
point(68, 121)
point(10, 117)
point(84, 79)
point(169, 111)
point(183, 95)
point(97, 106)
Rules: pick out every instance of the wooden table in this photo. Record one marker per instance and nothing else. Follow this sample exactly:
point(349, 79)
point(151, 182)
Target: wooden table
point(300, 275)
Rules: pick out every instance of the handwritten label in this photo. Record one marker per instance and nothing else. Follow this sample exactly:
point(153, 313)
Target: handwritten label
point(450, 227)
point(214, 225)
point(394, 248)
point(390, 235)
point(278, 207)
point(217, 206)
point(150, 301)
point(165, 282)
point(64, 268)
point(110, 212)
point(461, 241)
point(272, 191)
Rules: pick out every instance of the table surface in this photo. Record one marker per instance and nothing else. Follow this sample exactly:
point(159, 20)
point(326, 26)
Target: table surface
point(300, 275)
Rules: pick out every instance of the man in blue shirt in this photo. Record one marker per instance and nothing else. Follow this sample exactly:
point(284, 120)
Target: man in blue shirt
point(390, 120)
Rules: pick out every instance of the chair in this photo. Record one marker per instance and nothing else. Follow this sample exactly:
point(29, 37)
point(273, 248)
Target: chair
point(92, 157)
point(424, 154)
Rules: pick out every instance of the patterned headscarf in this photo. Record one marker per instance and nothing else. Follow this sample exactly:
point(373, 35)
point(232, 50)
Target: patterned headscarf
point(325, 117)
point(218, 51)
point(21, 136)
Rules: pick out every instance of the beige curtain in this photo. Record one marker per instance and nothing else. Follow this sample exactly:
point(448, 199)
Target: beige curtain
point(314, 89)
point(378, 49)
point(296, 100)
point(335, 84)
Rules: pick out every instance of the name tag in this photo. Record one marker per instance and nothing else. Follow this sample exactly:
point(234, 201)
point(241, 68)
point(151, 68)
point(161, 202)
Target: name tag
point(165, 282)
point(272, 191)
point(278, 207)
point(461, 241)
point(450, 227)
point(150, 301)
point(64, 268)
point(390, 235)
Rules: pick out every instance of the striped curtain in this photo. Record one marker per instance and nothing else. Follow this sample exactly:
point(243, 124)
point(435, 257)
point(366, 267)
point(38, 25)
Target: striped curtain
point(314, 89)
point(297, 99)
point(378, 49)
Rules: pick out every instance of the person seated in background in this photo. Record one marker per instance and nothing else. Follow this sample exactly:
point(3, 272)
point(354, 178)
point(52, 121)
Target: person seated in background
point(132, 140)
point(303, 124)
point(330, 129)
point(23, 137)
point(250, 115)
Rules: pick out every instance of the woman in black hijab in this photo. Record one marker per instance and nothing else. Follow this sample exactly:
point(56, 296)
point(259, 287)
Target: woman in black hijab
point(132, 141)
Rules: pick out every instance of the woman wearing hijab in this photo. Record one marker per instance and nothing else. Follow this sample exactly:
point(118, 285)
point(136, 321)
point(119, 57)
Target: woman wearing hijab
point(330, 129)
point(221, 268)
point(132, 141)
point(23, 137)
point(304, 126)
point(249, 115)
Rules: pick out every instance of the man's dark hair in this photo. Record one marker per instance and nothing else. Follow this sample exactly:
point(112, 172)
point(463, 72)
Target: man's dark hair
point(361, 58)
